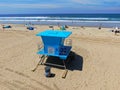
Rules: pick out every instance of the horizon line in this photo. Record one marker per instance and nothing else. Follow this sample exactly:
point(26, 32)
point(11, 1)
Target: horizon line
point(56, 13)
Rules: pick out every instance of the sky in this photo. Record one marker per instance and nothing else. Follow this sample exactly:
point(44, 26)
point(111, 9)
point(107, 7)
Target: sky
point(58, 6)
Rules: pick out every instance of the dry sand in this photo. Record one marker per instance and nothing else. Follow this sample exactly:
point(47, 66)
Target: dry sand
point(96, 65)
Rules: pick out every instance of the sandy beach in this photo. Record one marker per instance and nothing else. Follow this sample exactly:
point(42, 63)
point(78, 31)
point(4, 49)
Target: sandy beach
point(99, 51)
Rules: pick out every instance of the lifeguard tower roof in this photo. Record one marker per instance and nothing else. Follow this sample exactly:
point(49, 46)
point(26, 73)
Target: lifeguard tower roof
point(55, 33)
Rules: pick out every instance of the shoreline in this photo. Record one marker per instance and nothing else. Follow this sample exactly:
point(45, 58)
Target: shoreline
point(81, 23)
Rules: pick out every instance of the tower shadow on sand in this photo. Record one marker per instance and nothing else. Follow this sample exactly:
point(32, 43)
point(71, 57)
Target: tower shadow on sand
point(75, 63)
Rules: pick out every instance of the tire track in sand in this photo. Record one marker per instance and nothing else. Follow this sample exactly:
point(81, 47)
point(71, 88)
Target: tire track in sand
point(17, 84)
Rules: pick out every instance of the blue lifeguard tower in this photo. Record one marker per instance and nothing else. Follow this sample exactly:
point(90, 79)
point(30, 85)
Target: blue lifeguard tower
point(53, 44)
point(53, 41)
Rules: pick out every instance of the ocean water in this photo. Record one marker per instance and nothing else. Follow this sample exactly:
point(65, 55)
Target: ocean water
point(103, 20)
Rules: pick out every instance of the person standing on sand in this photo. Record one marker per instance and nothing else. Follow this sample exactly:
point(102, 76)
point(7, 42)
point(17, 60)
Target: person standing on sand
point(116, 30)
point(100, 26)
point(3, 27)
